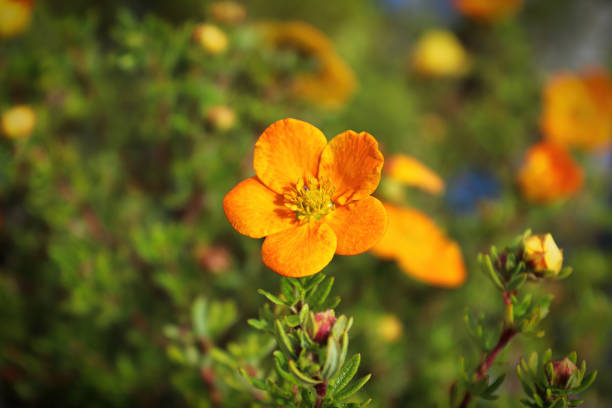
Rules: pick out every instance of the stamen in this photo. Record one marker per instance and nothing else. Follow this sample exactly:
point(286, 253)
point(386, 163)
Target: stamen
point(310, 199)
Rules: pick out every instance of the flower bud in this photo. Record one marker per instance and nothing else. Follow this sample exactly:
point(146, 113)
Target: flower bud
point(562, 371)
point(221, 117)
point(324, 321)
point(18, 122)
point(227, 11)
point(389, 328)
point(212, 39)
point(541, 254)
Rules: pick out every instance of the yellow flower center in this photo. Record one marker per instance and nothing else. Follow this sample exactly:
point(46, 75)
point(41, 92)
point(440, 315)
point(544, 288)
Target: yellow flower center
point(311, 199)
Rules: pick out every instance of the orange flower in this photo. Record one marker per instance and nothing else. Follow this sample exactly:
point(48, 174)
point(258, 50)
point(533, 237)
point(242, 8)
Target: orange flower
point(408, 170)
point(549, 173)
point(15, 16)
point(412, 239)
point(577, 110)
point(421, 248)
point(333, 82)
point(487, 10)
point(310, 198)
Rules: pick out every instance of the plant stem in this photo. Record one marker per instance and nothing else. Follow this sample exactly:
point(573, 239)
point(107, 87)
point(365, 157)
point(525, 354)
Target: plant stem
point(321, 389)
point(506, 335)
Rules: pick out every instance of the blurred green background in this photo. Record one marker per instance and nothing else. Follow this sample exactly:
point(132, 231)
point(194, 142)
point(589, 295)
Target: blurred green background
point(111, 218)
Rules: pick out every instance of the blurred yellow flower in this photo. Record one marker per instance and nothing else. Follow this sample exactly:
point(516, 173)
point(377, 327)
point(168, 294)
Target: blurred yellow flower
point(541, 254)
point(221, 117)
point(439, 53)
point(229, 12)
point(487, 10)
point(18, 122)
point(212, 39)
point(389, 328)
point(408, 170)
point(549, 173)
point(421, 249)
point(577, 110)
point(15, 16)
point(333, 83)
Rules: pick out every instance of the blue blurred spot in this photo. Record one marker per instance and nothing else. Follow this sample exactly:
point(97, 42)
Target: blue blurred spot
point(469, 188)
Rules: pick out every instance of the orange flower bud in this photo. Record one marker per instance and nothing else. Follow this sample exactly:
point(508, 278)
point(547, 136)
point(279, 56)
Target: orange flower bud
point(212, 39)
point(439, 53)
point(18, 122)
point(549, 173)
point(541, 254)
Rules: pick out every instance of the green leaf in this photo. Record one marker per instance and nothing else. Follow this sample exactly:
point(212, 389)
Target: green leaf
point(283, 339)
point(314, 281)
point(258, 324)
point(353, 388)
point(516, 282)
point(318, 296)
point(345, 375)
point(271, 297)
point(488, 268)
point(332, 358)
point(303, 315)
point(279, 362)
point(300, 375)
point(287, 290)
point(586, 383)
point(495, 385)
point(292, 320)
point(198, 316)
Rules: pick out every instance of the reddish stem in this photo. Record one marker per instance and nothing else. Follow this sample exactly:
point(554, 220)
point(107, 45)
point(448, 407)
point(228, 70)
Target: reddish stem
point(321, 389)
point(506, 335)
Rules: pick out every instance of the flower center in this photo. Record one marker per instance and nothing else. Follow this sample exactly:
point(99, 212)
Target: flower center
point(310, 199)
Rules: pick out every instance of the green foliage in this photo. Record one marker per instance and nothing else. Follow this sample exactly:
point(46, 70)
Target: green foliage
point(310, 364)
point(553, 384)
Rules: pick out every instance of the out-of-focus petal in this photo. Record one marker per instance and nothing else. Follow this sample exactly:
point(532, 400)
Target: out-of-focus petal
point(408, 170)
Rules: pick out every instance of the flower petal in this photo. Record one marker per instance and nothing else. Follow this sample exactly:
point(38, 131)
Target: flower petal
point(352, 162)
point(300, 251)
point(421, 248)
point(286, 151)
point(256, 211)
point(358, 226)
point(408, 170)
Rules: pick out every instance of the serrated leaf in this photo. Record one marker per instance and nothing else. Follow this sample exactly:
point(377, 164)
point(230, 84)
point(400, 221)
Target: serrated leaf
point(352, 388)
point(346, 374)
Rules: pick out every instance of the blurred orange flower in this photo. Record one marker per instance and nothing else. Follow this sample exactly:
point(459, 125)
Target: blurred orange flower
point(408, 170)
point(229, 12)
point(549, 173)
point(438, 53)
point(487, 10)
point(420, 248)
point(18, 122)
point(310, 198)
point(389, 328)
point(577, 110)
point(333, 83)
point(15, 16)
